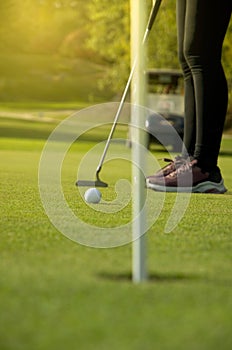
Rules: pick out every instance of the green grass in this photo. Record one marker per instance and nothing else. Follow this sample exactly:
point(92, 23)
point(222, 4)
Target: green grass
point(57, 294)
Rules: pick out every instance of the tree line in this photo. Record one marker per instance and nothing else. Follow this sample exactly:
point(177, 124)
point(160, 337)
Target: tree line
point(97, 30)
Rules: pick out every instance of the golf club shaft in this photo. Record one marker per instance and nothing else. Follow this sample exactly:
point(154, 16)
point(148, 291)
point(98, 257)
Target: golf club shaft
point(151, 20)
point(153, 13)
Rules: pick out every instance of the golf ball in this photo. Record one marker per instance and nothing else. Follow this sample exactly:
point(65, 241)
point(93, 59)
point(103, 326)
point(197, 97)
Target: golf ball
point(92, 195)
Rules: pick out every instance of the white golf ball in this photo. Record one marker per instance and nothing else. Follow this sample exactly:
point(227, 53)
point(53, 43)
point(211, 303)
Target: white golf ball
point(92, 195)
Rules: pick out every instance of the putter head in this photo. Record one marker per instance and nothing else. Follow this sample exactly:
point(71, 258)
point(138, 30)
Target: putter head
point(96, 183)
point(87, 183)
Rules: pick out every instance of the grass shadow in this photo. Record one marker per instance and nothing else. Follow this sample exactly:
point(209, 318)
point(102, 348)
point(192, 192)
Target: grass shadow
point(152, 277)
point(169, 278)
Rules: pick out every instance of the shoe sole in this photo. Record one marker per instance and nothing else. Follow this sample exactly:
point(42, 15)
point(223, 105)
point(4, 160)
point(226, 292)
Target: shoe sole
point(203, 187)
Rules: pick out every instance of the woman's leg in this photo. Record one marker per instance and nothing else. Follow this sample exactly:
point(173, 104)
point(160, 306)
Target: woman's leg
point(189, 97)
point(202, 25)
point(205, 26)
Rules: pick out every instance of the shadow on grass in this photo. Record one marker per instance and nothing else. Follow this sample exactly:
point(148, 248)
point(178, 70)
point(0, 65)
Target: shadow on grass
point(152, 277)
point(160, 278)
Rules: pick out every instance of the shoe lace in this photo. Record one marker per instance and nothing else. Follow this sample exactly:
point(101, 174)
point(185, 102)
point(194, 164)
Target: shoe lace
point(186, 167)
point(176, 160)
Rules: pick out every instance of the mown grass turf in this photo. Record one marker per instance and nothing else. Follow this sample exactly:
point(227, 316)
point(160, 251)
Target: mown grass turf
point(57, 294)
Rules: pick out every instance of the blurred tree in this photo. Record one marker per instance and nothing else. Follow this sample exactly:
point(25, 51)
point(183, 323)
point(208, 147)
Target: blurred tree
point(109, 37)
point(40, 25)
point(6, 18)
point(162, 46)
point(98, 30)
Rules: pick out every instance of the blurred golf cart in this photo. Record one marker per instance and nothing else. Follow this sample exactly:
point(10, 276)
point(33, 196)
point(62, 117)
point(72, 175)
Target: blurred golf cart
point(165, 96)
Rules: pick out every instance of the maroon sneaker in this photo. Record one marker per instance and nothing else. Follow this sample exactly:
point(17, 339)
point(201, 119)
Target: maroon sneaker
point(172, 166)
point(189, 178)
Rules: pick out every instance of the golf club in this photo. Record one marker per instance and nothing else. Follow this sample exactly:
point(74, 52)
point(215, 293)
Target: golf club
point(98, 182)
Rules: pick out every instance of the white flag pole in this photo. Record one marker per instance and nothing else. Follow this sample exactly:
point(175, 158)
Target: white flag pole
point(138, 95)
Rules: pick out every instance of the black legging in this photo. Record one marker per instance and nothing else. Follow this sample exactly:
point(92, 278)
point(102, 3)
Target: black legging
point(202, 26)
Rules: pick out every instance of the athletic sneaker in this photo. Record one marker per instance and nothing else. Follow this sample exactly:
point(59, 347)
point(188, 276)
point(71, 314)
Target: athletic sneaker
point(172, 166)
point(189, 178)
